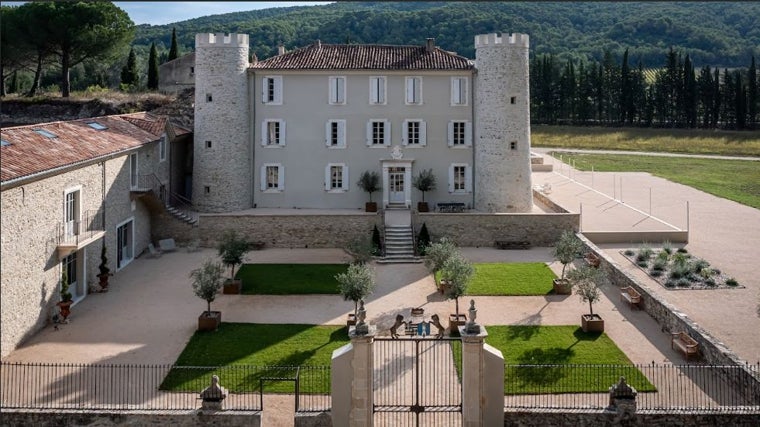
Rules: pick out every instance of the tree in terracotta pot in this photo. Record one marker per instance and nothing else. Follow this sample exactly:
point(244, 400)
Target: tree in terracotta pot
point(105, 272)
point(369, 182)
point(206, 282)
point(424, 181)
point(565, 251)
point(66, 298)
point(457, 272)
point(231, 249)
point(355, 284)
point(587, 281)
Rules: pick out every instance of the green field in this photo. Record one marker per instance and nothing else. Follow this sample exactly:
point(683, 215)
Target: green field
point(737, 180)
point(728, 143)
point(290, 279)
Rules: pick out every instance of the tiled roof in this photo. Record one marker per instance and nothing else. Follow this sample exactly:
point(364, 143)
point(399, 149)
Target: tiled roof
point(365, 57)
point(75, 141)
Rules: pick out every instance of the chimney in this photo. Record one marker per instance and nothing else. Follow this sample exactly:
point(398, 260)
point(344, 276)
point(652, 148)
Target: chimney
point(280, 49)
point(429, 44)
point(318, 43)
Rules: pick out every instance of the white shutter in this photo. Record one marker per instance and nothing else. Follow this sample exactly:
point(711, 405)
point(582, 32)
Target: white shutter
point(451, 133)
point(263, 177)
point(423, 132)
point(468, 179)
point(341, 133)
point(345, 178)
point(451, 178)
point(281, 178)
point(282, 133)
point(264, 132)
point(387, 141)
point(369, 132)
point(373, 92)
point(264, 89)
point(341, 82)
point(409, 90)
point(405, 133)
point(327, 177)
point(278, 90)
point(455, 82)
point(381, 90)
point(468, 133)
point(328, 132)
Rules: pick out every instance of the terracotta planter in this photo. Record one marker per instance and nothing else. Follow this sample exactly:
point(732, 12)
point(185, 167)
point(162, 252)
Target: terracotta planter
point(103, 282)
point(209, 321)
point(592, 323)
point(562, 287)
point(65, 308)
point(422, 207)
point(370, 207)
point(232, 286)
point(351, 320)
point(455, 321)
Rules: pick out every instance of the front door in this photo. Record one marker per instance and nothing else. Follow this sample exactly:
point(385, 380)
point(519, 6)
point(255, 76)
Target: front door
point(396, 185)
point(124, 247)
point(76, 284)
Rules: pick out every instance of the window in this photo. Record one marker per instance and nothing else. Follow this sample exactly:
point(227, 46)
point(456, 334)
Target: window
point(414, 90)
point(337, 90)
point(207, 189)
point(45, 133)
point(69, 262)
point(513, 100)
point(272, 177)
point(124, 243)
point(272, 90)
point(97, 126)
point(209, 98)
point(460, 179)
point(379, 133)
point(192, 70)
point(273, 133)
point(513, 145)
point(460, 133)
point(336, 177)
point(4, 143)
point(162, 148)
point(335, 134)
point(459, 91)
point(133, 181)
point(377, 90)
point(414, 133)
point(71, 211)
point(208, 144)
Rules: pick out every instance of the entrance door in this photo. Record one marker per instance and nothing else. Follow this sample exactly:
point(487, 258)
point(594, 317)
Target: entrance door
point(71, 208)
point(76, 287)
point(396, 185)
point(124, 245)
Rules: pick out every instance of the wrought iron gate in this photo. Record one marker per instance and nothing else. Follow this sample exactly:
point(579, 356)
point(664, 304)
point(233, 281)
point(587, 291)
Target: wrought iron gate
point(417, 382)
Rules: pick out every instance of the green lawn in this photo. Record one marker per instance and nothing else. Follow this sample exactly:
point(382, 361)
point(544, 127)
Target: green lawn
point(737, 180)
point(561, 345)
point(290, 279)
point(514, 278)
point(260, 345)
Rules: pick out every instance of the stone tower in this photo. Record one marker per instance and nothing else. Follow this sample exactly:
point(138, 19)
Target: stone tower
point(222, 178)
point(502, 124)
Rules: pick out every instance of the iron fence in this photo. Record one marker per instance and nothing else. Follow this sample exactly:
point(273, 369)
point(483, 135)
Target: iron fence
point(665, 387)
point(77, 231)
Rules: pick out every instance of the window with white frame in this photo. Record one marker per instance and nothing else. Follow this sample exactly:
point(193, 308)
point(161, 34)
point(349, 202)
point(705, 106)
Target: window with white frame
point(162, 148)
point(273, 133)
point(460, 178)
point(378, 133)
point(72, 202)
point(460, 133)
point(133, 171)
point(337, 94)
point(272, 177)
point(336, 177)
point(271, 90)
point(459, 90)
point(377, 90)
point(414, 133)
point(335, 133)
point(414, 90)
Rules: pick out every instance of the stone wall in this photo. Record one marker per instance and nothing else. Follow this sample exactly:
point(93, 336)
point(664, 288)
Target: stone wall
point(290, 231)
point(712, 350)
point(605, 418)
point(482, 229)
point(549, 203)
point(13, 418)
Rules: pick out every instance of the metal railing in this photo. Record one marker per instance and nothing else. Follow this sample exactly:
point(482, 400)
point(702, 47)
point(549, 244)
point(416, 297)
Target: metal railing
point(695, 388)
point(74, 232)
point(167, 197)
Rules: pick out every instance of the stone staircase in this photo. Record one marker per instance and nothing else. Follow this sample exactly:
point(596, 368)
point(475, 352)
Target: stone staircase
point(399, 245)
point(185, 216)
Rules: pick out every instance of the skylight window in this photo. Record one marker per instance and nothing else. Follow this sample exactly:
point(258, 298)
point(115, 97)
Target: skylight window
point(97, 126)
point(4, 143)
point(45, 133)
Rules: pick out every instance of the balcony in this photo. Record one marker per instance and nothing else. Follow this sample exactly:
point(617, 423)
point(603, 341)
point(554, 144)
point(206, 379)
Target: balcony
point(75, 235)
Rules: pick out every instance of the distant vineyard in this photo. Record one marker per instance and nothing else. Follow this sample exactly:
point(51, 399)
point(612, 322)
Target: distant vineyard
point(650, 75)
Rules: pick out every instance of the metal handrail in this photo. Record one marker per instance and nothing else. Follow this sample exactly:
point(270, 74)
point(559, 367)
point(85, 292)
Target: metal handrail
point(74, 232)
point(168, 197)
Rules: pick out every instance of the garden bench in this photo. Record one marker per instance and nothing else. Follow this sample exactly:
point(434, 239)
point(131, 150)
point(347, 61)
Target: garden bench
point(592, 260)
point(686, 344)
point(631, 295)
point(257, 245)
point(167, 245)
point(451, 207)
point(513, 244)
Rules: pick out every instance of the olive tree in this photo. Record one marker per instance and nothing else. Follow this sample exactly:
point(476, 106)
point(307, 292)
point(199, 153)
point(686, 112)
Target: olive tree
point(587, 280)
point(457, 272)
point(566, 249)
point(231, 249)
point(356, 283)
point(206, 281)
point(437, 253)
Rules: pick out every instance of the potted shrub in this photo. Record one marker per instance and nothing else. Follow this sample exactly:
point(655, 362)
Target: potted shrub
point(355, 284)
point(377, 244)
point(436, 255)
point(206, 281)
point(105, 272)
point(64, 304)
point(232, 248)
point(565, 251)
point(587, 280)
point(423, 240)
point(424, 181)
point(369, 182)
point(457, 272)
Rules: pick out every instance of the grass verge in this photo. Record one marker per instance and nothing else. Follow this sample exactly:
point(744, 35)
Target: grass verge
point(510, 279)
point(249, 352)
point(737, 180)
point(290, 279)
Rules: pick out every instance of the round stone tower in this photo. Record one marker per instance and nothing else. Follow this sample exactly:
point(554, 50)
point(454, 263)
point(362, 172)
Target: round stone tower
point(502, 124)
point(221, 144)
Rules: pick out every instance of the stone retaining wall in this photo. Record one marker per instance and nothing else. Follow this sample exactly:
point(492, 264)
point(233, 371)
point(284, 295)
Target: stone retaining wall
point(712, 350)
point(549, 203)
point(50, 418)
point(483, 229)
point(606, 418)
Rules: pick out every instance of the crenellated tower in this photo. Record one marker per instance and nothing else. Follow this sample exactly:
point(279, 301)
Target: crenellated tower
point(222, 144)
point(502, 124)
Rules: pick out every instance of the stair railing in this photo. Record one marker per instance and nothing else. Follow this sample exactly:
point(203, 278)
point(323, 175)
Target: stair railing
point(167, 197)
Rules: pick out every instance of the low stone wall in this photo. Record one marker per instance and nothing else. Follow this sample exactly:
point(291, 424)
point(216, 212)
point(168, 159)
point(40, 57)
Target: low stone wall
point(549, 203)
point(600, 237)
point(607, 418)
point(50, 418)
point(712, 350)
point(483, 229)
point(290, 231)
point(315, 419)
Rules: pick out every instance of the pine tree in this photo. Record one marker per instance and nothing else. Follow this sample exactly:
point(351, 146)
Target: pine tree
point(753, 103)
point(129, 76)
point(173, 51)
point(153, 68)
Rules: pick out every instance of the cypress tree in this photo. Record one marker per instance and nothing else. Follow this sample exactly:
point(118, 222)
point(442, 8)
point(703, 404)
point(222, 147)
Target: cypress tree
point(153, 68)
point(173, 51)
point(129, 74)
point(689, 93)
point(705, 89)
point(716, 98)
point(626, 91)
point(740, 101)
point(752, 95)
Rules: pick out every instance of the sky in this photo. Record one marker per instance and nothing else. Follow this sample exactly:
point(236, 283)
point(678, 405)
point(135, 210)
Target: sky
point(166, 12)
